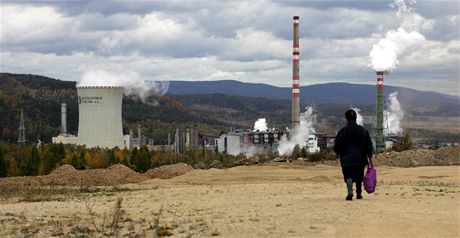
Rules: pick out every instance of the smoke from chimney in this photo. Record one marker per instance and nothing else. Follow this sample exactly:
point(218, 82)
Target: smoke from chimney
point(396, 43)
point(129, 80)
point(260, 125)
point(393, 115)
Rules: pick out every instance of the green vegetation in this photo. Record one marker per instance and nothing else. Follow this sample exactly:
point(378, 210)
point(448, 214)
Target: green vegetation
point(31, 160)
point(323, 155)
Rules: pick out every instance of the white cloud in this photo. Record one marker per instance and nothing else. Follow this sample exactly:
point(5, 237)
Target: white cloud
point(249, 41)
point(31, 25)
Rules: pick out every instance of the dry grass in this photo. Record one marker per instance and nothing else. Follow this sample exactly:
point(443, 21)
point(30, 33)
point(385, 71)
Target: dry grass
point(117, 213)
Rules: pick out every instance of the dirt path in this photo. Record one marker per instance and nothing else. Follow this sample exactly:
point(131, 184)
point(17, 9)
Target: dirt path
point(252, 201)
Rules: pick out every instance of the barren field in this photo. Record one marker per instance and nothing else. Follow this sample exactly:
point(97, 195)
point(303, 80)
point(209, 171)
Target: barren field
point(445, 124)
point(280, 200)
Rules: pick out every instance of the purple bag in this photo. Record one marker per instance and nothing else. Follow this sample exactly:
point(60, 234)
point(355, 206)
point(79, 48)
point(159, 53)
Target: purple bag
point(370, 178)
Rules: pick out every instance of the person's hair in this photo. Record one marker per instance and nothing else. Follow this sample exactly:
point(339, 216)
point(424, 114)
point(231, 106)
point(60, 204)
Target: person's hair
point(350, 115)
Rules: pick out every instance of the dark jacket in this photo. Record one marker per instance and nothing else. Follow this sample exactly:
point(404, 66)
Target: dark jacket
point(353, 144)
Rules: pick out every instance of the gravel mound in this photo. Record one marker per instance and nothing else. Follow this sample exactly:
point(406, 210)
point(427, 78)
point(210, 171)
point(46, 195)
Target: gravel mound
point(169, 171)
point(69, 176)
point(63, 169)
point(420, 157)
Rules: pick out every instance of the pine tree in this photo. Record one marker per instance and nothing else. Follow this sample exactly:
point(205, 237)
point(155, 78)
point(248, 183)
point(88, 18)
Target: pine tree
point(142, 159)
point(29, 165)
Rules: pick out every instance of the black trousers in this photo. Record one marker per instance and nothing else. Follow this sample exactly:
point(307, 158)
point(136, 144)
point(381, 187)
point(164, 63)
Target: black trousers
point(356, 173)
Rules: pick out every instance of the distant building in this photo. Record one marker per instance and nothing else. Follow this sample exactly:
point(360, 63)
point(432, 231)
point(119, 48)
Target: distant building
point(248, 142)
point(312, 144)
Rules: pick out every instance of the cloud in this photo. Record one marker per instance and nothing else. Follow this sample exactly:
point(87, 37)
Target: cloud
point(246, 40)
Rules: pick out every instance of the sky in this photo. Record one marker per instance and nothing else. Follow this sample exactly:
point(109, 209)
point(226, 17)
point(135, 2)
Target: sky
point(249, 41)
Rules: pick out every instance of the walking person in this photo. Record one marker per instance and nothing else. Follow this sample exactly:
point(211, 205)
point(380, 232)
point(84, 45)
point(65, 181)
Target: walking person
point(354, 146)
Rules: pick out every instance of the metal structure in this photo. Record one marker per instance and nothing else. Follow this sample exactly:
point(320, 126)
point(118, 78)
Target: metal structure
point(22, 130)
point(379, 138)
point(295, 75)
point(100, 123)
point(139, 136)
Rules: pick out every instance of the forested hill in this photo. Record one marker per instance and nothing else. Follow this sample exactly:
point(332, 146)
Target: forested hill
point(212, 108)
point(40, 98)
point(334, 93)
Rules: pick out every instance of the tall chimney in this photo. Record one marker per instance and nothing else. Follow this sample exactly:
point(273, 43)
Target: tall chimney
point(295, 76)
point(63, 119)
point(379, 139)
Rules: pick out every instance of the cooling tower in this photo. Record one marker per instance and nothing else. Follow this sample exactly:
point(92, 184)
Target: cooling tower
point(295, 75)
point(100, 116)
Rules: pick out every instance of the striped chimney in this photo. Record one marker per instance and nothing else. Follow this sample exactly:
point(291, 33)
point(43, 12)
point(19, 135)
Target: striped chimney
point(379, 137)
point(295, 75)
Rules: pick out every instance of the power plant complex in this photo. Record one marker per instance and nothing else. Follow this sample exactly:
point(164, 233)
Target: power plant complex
point(100, 122)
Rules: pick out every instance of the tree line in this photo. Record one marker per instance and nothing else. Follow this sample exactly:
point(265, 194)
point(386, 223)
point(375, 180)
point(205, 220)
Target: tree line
point(33, 159)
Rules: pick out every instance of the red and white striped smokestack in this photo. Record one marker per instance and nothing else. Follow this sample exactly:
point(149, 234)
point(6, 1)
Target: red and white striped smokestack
point(379, 137)
point(295, 75)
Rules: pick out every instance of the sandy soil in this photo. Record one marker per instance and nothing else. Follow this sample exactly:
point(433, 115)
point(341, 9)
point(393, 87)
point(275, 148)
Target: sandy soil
point(254, 201)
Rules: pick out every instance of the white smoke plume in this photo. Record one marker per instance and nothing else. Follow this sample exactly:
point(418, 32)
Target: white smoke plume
point(299, 134)
point(130, 80)
point(396, 43)
point(260, 125)
point(359, 117)
point(249, 151)
point(393, 115)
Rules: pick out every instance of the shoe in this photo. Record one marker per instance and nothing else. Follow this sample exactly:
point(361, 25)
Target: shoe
point(359, 196)
point(349, 189)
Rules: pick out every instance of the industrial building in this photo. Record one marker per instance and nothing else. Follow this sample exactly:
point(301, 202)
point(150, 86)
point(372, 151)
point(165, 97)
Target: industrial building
point(252, 142)
point(100, 123)
point(263, 142)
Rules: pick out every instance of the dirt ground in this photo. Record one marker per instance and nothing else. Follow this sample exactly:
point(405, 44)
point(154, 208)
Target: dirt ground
point(279, 200)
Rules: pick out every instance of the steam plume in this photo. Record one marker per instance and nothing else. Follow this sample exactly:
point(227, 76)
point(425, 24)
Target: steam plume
point(130, 80)
point(393, 115)
point(384, 55)
point(298, 134)
point(260, 125)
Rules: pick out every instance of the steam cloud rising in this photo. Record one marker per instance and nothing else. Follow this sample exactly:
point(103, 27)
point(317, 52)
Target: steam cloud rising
point(260, 125)
point(130, 80)
point(298, 134)
point(393, 115)
point(384, 55)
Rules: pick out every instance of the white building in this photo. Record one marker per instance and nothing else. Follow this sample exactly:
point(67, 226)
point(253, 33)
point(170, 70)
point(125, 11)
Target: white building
point(65, 139)
point(312, 144)
point(229, 143)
